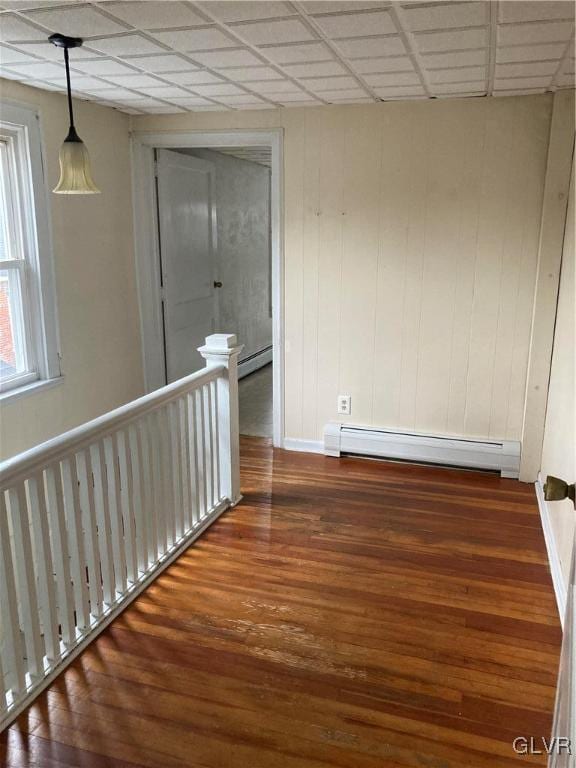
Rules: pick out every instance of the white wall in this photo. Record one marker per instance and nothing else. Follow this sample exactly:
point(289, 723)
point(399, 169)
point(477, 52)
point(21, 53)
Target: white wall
point(411, 241)
point(559, 452)
point(243, 254)
point(95, 280)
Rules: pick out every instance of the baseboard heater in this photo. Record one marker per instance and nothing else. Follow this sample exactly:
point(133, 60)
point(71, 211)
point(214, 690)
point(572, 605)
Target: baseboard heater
point(254, 362)
point(500, 455)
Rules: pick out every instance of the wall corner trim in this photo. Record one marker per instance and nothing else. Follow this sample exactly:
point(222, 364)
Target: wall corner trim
point(560, 589)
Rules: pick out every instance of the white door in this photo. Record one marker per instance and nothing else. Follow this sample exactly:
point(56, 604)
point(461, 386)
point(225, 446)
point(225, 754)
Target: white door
point(187, 218)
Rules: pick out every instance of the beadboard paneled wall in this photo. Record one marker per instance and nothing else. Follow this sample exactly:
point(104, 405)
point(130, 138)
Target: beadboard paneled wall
point(411, 240)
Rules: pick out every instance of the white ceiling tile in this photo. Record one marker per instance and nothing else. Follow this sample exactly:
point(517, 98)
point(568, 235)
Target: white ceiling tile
point(392, 64)
point(445, 16)
point(465, 74)
point(102, 67)
point(199, 77)
point(522, 34)
point(456, 59)
point(23, 5)
point(246, 11)
point(41, 69)
point(519, 92)
point(272, 32)
point(449, 41)
point(154, 14)
point(221, 59)
point(162, 63)
point(340, 6)
point(196, 39)
point(393, 78)
point(8, 56)
point(164, 91)
point(566, 80)
point(164, 110)
point(83, 83)
point(530, 52)
point(125, 45)
point(140, 102)
point(244, 99)
point(283, 98)
point(526, 69)
point(274, 86)
point(211, 108)
point(569, 66)
point(190, 101)
point(46, 50)
point(403, 91)
point(477, 86)
point(357, 24)
point(134, 81)
point(247, 74)
point(318, 69)
point(329, 83)
point(218, 89)
point(372, 46)
point(115, 94)
point(43, 84)
point(79, 22)
point(10, 75)
point(15, 29)
point(535, 10)
point(522, 82)
point(292, 54)
point(352, 93)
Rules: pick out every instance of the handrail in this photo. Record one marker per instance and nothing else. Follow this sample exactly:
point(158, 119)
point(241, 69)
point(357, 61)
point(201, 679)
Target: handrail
point(44, 453)
point(89, 518)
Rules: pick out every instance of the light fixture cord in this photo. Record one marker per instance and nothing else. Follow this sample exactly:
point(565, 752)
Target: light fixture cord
point(66, 62)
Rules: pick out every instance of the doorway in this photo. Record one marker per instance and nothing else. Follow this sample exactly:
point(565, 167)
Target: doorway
point(232, 282)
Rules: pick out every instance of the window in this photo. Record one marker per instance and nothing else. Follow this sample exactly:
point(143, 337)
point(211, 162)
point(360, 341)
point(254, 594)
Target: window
point(28, 329)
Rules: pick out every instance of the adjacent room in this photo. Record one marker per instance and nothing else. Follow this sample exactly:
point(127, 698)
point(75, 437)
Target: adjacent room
point(287, 383)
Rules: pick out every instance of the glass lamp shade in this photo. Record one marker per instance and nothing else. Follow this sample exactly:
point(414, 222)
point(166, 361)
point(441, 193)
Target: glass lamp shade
point(75, 173)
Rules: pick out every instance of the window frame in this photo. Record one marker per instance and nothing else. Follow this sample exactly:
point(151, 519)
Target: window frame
point(20, 124)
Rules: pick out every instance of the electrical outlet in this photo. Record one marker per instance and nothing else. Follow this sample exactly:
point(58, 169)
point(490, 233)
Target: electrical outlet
point(344, 404)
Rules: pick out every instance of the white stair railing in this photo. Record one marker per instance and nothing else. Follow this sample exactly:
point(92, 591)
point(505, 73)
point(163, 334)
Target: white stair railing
point(90, 518)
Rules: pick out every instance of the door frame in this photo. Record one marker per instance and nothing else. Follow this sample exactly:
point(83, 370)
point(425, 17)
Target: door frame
point(146, 246)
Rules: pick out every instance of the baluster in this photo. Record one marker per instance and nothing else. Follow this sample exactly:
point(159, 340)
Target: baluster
point(140, 521)
point(185, 465)
point(55, 496)
point(149, 489)
point(193, 453)
point(97, 466)
point(76, 540)
point(217, 484)
point(45, 567)
point(4, 686)
point(156, 438)
point(26, 580)
point(201, 452)
point(88, 518)
point(127, 505)
point(114, 505)
point(207, 401)
point(12, 638)
point(177, 480)
point(167, 485)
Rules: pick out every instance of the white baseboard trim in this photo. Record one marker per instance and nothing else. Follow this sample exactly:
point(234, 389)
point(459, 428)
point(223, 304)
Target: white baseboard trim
point(254, 362)
point(303, 446)
point(553, 557)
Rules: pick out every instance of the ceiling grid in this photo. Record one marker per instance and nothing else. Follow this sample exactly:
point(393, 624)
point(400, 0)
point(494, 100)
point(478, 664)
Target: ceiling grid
point(162, 56)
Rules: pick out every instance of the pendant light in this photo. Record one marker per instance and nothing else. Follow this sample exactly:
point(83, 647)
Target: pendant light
point(75, 173)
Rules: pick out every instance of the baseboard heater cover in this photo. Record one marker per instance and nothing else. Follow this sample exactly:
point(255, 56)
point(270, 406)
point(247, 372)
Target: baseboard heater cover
point(499, 455)
point(254, 362)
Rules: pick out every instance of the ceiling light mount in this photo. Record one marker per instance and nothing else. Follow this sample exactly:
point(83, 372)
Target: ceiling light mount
point(63, 41)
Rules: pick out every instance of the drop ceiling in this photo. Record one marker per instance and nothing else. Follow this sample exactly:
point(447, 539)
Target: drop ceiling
point(176, 56)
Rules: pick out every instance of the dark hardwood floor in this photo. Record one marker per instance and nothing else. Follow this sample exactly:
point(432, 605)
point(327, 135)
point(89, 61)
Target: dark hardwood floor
point(347, 613)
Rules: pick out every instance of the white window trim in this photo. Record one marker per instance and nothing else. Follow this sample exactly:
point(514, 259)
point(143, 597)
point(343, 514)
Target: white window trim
point(22, 122)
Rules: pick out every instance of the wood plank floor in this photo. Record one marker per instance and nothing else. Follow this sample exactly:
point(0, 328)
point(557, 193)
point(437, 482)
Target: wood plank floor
point(347, 613)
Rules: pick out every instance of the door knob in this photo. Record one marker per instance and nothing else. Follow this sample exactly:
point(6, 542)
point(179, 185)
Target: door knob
point(217, 284)
point(556, 490)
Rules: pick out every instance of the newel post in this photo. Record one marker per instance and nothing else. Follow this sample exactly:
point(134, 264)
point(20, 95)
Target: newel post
point(223, 349)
